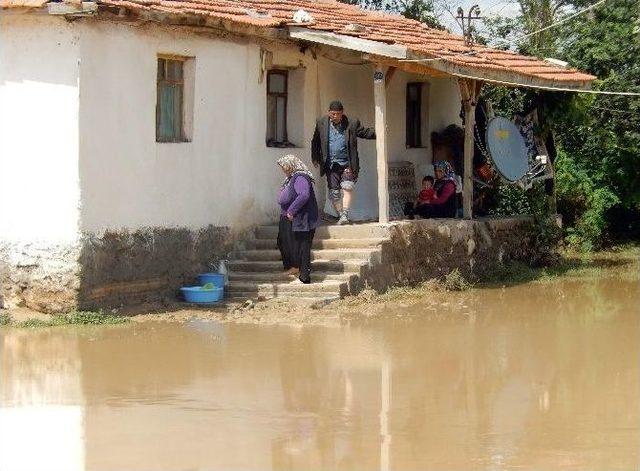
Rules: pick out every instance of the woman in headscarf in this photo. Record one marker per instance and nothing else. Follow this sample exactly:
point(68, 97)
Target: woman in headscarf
point(298, 217)
point(444, 205)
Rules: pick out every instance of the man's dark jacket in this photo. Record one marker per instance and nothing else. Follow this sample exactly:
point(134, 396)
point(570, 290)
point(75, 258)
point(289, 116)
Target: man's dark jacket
point(353, 131)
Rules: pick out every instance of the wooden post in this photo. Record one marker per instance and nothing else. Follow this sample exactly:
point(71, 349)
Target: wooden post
point(469, 90)
point(380, 99)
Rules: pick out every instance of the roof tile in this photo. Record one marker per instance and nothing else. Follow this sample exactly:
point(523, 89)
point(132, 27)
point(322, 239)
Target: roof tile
point(330, 15)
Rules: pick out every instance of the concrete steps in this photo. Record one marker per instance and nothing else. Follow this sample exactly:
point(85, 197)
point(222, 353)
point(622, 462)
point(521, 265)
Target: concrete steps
point(338, 256)
point(333, 266)
point(321, 244)
point(328, 254)
point(272, 277)
point(354, 231)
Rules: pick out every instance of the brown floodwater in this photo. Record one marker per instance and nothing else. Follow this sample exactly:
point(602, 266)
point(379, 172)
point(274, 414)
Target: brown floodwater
point(542, 376)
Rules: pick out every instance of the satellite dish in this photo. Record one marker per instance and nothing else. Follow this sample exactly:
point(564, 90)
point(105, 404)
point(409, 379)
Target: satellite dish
point(507, 149)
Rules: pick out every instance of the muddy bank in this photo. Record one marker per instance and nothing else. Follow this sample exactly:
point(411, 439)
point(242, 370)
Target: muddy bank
point(452, 296)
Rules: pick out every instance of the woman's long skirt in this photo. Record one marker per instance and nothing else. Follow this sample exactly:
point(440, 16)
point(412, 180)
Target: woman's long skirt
point(295, 248)
point(286, 244)
point(302, 246)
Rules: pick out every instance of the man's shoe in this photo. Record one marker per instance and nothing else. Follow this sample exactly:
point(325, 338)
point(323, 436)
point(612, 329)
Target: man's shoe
point(344, 219)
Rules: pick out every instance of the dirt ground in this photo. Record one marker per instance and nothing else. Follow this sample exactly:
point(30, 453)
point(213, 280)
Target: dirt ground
point(432, 296)
point(286, 312)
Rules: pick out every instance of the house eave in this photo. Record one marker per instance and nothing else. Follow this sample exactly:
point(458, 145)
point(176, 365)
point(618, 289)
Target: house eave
point(403, 58)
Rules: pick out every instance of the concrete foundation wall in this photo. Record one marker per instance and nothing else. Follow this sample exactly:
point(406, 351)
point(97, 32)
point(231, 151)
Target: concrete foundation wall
point(431, 248)
point(124, 268)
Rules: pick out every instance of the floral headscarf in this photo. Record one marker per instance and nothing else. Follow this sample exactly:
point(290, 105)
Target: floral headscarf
point(297, 167)
point(447, 171)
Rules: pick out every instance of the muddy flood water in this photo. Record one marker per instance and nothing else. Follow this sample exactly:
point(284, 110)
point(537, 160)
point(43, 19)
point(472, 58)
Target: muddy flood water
point(540, 376)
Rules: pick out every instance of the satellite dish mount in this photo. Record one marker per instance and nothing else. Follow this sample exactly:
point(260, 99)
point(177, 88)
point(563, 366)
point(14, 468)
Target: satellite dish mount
point(510, 157)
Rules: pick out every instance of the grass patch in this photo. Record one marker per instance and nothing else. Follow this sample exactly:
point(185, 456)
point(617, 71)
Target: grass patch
point(620, 262)
point(72, 318)
point(5, 319)
point(454, 281)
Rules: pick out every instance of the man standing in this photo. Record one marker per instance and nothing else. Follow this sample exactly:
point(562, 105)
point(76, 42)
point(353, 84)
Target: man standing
point(334, 149)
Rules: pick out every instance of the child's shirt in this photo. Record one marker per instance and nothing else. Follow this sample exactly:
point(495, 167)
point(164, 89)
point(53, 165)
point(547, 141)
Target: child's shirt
point(426, 196)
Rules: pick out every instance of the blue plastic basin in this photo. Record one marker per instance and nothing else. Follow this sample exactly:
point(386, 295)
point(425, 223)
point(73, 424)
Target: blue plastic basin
point(216, 278)
point(195, 294)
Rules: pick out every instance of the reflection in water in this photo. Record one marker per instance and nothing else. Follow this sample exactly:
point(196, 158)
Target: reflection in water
point(541, 376)
point(41, 413)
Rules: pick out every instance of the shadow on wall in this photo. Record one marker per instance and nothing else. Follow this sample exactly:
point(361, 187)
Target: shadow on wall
point(147, 265)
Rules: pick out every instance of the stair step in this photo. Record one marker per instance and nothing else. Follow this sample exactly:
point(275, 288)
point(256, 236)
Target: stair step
point(269, 277)
point(295, 287)
point(334, 266)
point(352, 231)
point(266, 244)
point(300, 298)
point(327, 254)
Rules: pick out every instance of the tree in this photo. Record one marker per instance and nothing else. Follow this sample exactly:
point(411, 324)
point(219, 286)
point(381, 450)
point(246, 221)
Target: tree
point(598, 135)
point(421, 10)
point(603, 139)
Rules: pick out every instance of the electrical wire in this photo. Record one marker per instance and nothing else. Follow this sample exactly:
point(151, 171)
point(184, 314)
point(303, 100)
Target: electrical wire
point(542, 87)
point(511, 41)
point(559, 22)
point(595, 92)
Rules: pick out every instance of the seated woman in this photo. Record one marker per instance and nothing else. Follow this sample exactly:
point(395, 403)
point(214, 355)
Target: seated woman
point(444, 204)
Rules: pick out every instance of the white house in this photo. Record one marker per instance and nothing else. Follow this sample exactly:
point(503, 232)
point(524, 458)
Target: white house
point(138, 137)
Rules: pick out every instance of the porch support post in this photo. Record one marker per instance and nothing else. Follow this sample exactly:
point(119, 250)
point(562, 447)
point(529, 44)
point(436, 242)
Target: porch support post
point(380, 99)
point(469, 91)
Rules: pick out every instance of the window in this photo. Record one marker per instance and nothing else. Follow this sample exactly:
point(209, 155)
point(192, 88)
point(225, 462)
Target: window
point(170, 101)
point(277, 94)
point(414, 115)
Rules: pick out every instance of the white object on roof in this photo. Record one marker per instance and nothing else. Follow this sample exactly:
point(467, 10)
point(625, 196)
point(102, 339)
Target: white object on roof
point(355, 27)
point(257, 13)
point(556, 62)
point(302, 16)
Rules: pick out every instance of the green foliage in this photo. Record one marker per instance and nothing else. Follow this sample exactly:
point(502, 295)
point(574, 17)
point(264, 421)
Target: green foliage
point(455, 281)
point(510, 201)
point(597, 136)
point(5, 319)
point(585, 200)
point(421, 10)
point(545, 242)
point(620, 262)
point(92, 318)
point(72, 318)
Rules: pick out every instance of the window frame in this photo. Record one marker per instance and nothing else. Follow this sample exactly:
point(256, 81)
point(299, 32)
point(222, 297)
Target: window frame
point(272, 142)
point(164, 80)
point(413, 120)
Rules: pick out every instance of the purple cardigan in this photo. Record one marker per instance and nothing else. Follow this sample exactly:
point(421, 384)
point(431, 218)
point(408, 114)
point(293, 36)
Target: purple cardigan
point(298, 199)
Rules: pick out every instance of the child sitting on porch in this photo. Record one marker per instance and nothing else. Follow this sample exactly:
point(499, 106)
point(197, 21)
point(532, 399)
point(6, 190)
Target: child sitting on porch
point(426, 195)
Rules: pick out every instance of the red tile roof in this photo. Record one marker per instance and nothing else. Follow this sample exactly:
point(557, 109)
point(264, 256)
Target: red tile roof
point(339, 18)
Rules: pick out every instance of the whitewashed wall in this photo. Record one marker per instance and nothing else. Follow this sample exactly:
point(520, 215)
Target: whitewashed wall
point(39, 189)
point(226, 176)
point(39, 180)
point(442, 101)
